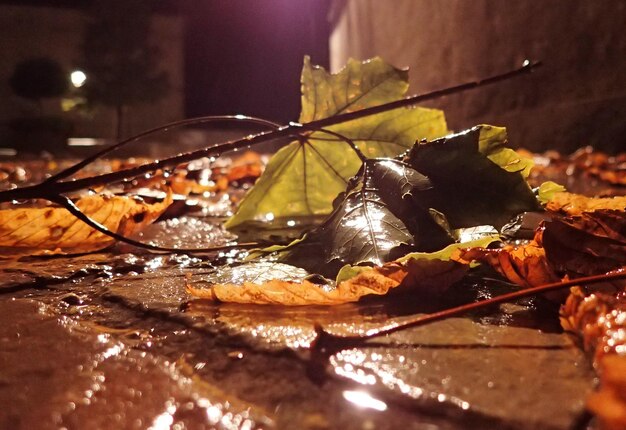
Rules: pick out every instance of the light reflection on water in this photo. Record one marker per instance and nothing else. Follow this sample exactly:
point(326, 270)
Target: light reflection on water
point(364, 400)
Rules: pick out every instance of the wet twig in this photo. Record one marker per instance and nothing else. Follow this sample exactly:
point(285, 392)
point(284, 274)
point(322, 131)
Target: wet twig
point(328, 343)
point(55, 188)
point(49, 189)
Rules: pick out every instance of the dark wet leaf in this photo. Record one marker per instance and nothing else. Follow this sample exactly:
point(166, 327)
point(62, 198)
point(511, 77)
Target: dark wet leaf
point(477, 180)
point(378, 219)
point(585, 244)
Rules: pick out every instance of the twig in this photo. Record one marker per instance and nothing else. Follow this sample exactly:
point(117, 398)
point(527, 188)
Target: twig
point(162, 129)
point(328, 343)
point(47, 190)
point(74, 210)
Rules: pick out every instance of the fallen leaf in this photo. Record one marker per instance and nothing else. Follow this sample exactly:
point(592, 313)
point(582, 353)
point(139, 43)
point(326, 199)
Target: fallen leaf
point(53, 230)
point(524, 265)
point(587, 244)
point(377, 219)
point(575, 204)
point(274, 283)
point(608, 404)
point(547, 190)
point(477, 180)
point(302, 179)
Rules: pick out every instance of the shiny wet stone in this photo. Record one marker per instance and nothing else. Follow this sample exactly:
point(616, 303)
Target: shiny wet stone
point(113, 340)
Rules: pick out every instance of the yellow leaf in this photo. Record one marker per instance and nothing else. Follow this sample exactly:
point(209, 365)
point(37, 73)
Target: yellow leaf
point(53, 230)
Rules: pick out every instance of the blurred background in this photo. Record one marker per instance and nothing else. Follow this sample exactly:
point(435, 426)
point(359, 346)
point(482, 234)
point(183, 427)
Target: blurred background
point(102, 70)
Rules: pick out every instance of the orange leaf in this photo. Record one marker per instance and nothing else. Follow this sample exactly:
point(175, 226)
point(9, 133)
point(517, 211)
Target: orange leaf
point(414, 274)
point(575, 204)
point(609, 403)
point(524, 265)
point(53, 230)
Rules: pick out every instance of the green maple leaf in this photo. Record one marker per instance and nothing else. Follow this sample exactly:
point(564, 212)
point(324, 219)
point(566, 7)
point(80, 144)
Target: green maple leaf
point(302, 179)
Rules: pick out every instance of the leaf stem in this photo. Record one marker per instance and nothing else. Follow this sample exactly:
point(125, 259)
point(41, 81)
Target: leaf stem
point(349, 141)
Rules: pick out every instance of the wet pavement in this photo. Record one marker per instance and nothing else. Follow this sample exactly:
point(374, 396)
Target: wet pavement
point(113, 340)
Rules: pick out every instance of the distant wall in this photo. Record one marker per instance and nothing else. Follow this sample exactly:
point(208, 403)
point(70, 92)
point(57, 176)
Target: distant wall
point(577, 98)
point(27, 32)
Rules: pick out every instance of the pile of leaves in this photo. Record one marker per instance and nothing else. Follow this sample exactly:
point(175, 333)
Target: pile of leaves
point(383, 201)
point(391, 202)
point(585, 171)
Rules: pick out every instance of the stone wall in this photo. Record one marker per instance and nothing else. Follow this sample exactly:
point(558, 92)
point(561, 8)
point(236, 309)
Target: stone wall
point(27, 32)
point(577, 98)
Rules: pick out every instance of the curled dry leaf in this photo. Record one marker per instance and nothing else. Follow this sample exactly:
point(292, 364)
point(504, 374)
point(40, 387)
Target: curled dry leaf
point(598, 318)
point(584, 245)
point(574, 246)
point(524, 265)
point(53, 230)
point(282, 284)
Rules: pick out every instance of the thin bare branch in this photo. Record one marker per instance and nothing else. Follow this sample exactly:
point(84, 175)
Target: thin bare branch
point(49, 189)
point(328, 342)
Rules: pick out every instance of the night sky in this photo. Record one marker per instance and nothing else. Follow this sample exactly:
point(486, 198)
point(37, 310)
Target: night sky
point(242, 56)
point(245, 56)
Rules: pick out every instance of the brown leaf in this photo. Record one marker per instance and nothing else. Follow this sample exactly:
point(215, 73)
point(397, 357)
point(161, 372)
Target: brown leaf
point(575, 204)
point(602, 223)
point(609, 402)
point(584, 245)
point(524, 265)
point(53, 230)
point(414, 274)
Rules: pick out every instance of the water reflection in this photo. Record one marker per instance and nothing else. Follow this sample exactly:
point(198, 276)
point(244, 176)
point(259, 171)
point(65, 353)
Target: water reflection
point(364, 400)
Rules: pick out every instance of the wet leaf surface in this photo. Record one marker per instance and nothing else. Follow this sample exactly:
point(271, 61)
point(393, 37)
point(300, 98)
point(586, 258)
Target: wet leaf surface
point(373, 221)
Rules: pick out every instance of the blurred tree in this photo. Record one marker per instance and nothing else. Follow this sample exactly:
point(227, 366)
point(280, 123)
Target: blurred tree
point(121, 65)
point(39, 78)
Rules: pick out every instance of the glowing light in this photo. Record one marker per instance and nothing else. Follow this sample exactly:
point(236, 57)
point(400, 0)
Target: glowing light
point(78, 78)
point(214, 414)
point(112, 351)
point(364, 400)
point(165, 420)
point(85, 141)
point(162, 422)
point(269, 216)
